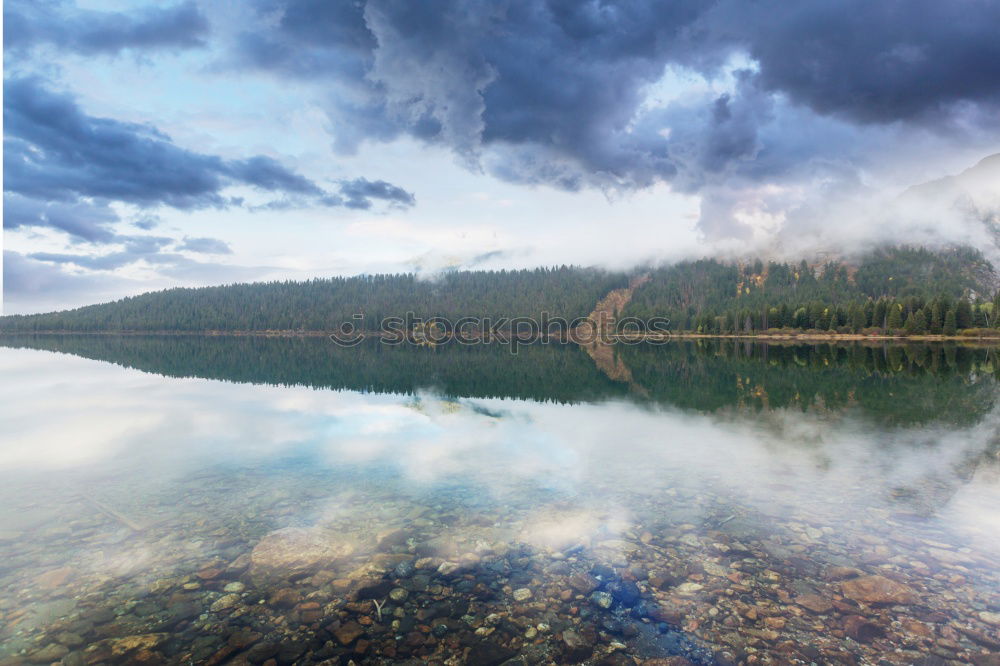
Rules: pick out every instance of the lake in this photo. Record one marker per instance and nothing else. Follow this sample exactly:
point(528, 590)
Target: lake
point(213, 500)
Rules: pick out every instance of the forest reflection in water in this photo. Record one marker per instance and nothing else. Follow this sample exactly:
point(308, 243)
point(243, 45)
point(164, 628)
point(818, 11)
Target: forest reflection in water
point(725, 502)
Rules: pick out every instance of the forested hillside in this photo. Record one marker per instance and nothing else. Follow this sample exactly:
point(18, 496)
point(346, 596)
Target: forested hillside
point(903, 289)
point(900, 289)
point(325, 304)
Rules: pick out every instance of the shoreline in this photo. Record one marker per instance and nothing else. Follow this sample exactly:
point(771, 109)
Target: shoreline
point(608, 338)
point(849, 337)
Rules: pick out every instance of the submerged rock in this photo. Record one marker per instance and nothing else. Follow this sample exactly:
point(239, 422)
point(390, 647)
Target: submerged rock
point(49, 654)
point(577, 647)
point(262, 652)
point(602, 599)
point(347, 633)
point(861, 629)
point(54, 579)
point(583, 583)
point(878, 590)
point(375, 590)
point(284, 598)
point(814, 602)
point(624, 592)
point(225, 602)
point(990, 618)
point(391, 538)
point(295, 550)
point(665, 615)
point(404, 569)
point(488, 654)
point(137, 649)
point(689, 589)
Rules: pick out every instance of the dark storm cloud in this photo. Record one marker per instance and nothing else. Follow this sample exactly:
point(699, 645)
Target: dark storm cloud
point(872, 61)
point(556, 91)
point(326, 35)
point(62, 167)
point(28, 23)
point(53, 149)
point(358, 193)
point(560, 79)
point(83, 221)
point(267, 174)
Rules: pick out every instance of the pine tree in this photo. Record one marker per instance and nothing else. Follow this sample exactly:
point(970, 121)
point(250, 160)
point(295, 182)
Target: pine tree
point(858, 319)
point(784, 315)
point(950, 323)
point(979, 317)
point(937, 318)
point(823, 321)
point(879, 314)
point(895, 319)
point(963, 314)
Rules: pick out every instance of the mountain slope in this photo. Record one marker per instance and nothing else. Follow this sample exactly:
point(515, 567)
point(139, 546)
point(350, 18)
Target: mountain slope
point(693, 295)
point(323, 305)
point(696, 294)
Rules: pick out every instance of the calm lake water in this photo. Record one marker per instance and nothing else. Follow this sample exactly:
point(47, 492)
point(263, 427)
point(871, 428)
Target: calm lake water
point(285, 501)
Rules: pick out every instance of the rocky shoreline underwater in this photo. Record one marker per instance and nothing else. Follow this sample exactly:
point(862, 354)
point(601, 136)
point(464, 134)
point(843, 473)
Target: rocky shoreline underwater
point(452, 579)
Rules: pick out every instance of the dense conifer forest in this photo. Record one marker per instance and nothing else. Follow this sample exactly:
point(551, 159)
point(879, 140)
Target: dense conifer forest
point(899, 290)
point(324, 304)
point(902, 290)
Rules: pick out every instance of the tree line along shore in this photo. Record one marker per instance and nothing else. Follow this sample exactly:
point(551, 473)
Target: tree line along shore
point(889, 292)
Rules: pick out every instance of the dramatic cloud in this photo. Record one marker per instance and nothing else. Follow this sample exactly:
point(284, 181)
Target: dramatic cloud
point(871, 61)
point(82, 220)
point(62, 167)
point(718, 126)
point(594, 93)
point(63, 170)
point(53, 150)
point(359, 192)
point(266, 174)
point(29, 23)
point(563, 81)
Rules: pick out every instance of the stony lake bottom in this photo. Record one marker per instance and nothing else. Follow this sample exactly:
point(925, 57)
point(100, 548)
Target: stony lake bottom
point(180, 500)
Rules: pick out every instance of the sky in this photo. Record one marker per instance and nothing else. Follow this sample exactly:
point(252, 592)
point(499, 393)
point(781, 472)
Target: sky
point(150, 145)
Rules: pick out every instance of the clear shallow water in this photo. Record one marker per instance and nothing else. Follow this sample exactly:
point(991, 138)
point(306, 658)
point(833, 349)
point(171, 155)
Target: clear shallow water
point(732, 504)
